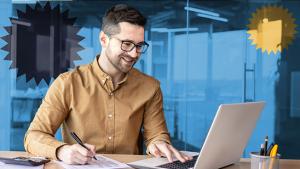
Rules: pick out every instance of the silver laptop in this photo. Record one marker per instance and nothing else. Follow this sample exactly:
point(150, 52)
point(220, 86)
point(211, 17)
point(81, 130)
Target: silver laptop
point(224, 143)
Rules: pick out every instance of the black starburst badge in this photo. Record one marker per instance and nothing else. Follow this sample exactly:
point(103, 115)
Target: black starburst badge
point(42, 42)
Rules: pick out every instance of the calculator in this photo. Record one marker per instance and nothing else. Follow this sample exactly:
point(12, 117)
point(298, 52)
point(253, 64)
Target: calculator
point(27, 161)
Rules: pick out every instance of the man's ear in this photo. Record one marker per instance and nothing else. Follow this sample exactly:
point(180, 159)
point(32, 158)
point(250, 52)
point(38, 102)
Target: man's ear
point(103, 38)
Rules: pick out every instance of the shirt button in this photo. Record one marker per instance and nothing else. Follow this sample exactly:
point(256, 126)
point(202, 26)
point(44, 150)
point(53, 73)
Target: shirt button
point(109, 138)
point(110, 116)
point(111, 94)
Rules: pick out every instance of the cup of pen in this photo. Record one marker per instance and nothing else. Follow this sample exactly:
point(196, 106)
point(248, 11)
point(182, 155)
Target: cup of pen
point(264, 162)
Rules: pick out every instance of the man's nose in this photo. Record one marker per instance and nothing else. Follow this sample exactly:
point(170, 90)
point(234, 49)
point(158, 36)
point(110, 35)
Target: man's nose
point(133, 53)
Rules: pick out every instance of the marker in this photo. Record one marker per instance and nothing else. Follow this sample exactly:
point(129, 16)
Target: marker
point(266, 146)
point(273, 155)
point(261, 152)
point(274, 151)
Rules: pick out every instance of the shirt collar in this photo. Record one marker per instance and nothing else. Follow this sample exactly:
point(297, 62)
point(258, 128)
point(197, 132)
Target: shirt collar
point(101, 75)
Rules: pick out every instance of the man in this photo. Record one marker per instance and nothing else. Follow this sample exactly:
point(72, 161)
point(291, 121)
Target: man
point(106, 103)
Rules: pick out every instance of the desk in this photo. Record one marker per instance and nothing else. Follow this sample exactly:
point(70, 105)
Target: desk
point(243, 164)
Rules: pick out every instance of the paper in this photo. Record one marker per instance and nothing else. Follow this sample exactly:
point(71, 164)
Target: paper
point(11, 166)
point(101, 162)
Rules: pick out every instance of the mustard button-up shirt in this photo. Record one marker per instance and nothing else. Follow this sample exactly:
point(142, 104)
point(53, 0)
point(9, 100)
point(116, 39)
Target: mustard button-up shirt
point(85, 101)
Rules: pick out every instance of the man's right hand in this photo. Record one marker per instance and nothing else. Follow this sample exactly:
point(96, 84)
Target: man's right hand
point(76, 154)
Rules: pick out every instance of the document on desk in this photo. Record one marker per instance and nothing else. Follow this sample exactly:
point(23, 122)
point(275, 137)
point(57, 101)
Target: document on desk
point(101, 162)
point(11, 166)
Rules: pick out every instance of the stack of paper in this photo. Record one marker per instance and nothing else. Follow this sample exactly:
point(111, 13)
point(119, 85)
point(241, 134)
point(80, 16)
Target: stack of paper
point(101, 162)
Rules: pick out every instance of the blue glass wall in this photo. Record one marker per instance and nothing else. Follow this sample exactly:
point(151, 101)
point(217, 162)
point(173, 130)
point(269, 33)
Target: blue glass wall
point(5, 8)
point(201, 63)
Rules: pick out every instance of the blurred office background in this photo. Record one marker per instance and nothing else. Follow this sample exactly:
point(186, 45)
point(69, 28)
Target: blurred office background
point(199, 51)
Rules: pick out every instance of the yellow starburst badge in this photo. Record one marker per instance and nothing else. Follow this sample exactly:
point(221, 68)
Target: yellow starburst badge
point(272, 28)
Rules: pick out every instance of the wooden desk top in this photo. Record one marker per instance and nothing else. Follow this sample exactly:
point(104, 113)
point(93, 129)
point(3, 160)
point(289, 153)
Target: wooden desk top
point(243, 164)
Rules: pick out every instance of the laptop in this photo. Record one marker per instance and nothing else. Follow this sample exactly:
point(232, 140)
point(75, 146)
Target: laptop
point(224, 143)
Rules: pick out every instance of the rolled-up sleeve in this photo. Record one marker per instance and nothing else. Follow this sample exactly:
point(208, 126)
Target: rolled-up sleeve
point(155, 128)
point(39, 138)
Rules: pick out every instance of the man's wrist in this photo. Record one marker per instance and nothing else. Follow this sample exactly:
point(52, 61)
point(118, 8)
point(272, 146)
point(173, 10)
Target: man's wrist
point(58, 151)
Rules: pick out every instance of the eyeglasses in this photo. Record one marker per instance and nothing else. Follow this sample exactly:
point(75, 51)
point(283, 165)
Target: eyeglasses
point(128, 45)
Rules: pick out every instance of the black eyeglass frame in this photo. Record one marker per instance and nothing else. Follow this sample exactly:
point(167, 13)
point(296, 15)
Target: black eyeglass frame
point(144, 49)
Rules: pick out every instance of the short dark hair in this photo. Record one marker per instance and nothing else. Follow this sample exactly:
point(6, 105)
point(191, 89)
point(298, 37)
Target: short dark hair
point(121, 13)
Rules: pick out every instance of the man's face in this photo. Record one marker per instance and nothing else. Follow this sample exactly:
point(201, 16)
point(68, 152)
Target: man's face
point(121, 60)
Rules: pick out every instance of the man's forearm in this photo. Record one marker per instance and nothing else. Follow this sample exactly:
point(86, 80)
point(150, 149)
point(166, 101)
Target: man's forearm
point(41, 144)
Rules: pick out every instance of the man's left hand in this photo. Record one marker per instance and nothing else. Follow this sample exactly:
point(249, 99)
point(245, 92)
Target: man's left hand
point(161, 148)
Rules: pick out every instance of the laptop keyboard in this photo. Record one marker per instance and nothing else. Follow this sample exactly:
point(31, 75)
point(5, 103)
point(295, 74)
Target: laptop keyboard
point(180, 165)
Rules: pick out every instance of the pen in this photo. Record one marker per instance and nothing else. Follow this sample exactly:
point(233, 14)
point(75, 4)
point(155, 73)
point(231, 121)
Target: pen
point(77, 139)
point(266, 146)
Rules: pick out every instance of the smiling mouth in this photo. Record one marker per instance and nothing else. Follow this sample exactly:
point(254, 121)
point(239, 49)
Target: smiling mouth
point(128, 60)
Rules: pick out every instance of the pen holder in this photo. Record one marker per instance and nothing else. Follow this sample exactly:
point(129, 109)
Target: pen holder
point(264, 162)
